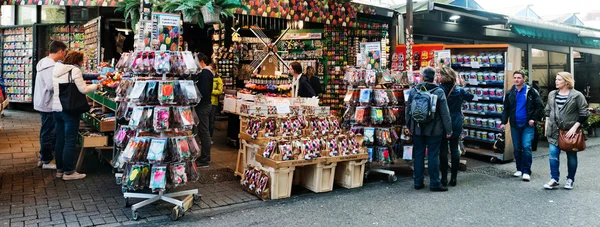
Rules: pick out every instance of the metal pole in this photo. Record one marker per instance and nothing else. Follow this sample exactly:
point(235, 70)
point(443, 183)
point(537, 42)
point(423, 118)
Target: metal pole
point(409, 34)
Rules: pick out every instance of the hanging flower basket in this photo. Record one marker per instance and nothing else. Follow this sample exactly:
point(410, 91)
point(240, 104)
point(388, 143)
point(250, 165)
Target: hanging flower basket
point(211, 17)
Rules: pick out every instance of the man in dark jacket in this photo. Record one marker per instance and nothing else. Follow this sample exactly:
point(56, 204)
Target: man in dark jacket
point(300, 85)
point(429, 135)
point(523, 106)
point(204, 82)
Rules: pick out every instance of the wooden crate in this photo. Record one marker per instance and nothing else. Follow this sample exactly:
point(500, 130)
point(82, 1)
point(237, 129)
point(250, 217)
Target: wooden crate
point(279, 164)
point(93, 141)
point(345, 158)
point(318, 178)
point(281, 181)
point(246, 155)
point(350, 174)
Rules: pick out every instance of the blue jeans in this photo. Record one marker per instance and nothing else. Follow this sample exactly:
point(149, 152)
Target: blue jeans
point(432, 143)
point(67, 127)
point(555, 163)
point(47, 137)
point(522, 137)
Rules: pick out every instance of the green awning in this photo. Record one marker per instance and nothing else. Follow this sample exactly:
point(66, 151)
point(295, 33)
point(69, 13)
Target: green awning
point(568, 38)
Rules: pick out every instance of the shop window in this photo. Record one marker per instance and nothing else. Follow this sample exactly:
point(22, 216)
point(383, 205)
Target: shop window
point(53, 14)
point(8, 15)
point(83, 14)
point(26, 15)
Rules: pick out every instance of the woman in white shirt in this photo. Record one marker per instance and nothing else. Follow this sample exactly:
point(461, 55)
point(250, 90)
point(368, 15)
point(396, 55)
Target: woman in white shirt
point(67, 125)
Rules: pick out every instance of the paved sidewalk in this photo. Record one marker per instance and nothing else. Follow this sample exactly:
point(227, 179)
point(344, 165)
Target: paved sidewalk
point(30, 196)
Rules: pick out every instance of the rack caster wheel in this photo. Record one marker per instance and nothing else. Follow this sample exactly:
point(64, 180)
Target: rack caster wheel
point(126, 202)
point(176, 213)
point(494, 159)
point(135, 215)
point(196, 198)
point(392, 178)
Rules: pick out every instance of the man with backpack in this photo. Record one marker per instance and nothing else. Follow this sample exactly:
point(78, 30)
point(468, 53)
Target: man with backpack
point(428, 119)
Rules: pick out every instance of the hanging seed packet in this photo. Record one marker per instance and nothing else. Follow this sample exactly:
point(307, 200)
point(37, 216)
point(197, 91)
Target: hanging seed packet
point(157, 149)
point(136, 116)
point(194, 147)
point(189, 91)
point(360, 117)
point(184, 147)
point(177, 174)
point(158, 177)
point(152, 92)
point(192, 171)
point(369, 136)
point(377, 115)
point(124, 133)
point(370, 152)
point(381, 98)
point(365, 97)
point(161, 118)
point(162, 62)
point(166, 92)
point(134, 176)
point(137, 91)
point(186, 116)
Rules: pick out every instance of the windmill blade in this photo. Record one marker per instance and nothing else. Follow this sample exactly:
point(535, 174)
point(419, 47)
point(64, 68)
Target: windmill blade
point(282, 35)
point(261, 62)
point(260, 35)
point(282, 61)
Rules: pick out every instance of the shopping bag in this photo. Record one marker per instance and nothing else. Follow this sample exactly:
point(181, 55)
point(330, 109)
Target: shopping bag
point(71, 99)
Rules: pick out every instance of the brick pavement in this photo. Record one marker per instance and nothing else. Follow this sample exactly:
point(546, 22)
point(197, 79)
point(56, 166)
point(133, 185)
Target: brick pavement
point(30, 196)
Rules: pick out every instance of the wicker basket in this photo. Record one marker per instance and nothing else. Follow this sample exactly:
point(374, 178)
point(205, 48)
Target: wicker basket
point(211, 17)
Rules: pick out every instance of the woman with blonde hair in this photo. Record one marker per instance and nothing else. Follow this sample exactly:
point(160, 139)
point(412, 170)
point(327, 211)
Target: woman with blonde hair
point(566, 110)
point(455, 96)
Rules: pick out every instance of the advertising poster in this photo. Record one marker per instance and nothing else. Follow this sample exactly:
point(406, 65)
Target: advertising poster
point(370, 55)
point(167, 31)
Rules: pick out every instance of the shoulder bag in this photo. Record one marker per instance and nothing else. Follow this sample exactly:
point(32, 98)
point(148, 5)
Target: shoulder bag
point(572, 144)
point(71, 99)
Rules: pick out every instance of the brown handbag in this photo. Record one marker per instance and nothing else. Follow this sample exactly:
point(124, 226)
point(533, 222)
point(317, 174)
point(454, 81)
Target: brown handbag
point(573, 144)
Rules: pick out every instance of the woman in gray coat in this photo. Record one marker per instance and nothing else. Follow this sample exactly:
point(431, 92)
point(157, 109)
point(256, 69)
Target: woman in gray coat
point(566, 109)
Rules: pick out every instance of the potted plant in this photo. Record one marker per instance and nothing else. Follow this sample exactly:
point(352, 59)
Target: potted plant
point(131, 9)
point(228, 7)
point(591, 125)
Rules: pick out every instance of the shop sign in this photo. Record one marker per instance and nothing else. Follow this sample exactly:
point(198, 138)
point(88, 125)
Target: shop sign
point(302, 36)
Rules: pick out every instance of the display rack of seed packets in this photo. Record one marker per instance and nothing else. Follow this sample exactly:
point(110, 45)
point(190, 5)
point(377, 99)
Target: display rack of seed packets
point(156, 148)
point(375, 108)
point(302, 144)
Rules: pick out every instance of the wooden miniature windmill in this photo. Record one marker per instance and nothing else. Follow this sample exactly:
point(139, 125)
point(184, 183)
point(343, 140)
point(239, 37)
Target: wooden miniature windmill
point(270, 47)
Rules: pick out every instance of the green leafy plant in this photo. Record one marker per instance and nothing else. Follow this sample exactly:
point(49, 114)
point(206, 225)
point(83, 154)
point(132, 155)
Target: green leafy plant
point(593, 120)
point(228, 7)
point(131, 9)
point(189, 8)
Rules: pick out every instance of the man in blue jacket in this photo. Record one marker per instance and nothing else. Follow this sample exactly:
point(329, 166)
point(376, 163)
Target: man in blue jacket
point(42, 101)
point(523, 106)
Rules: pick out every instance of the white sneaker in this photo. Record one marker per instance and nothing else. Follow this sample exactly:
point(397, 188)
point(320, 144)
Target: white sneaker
point(49, 166)
point(551, 185)
point(518, 174)
point(569, 184)
point(74, 176)
point(526, 177)
point(59, 175)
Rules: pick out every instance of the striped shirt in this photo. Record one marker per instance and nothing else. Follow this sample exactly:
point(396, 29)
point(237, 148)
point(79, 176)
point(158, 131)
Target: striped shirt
point(561, 100)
